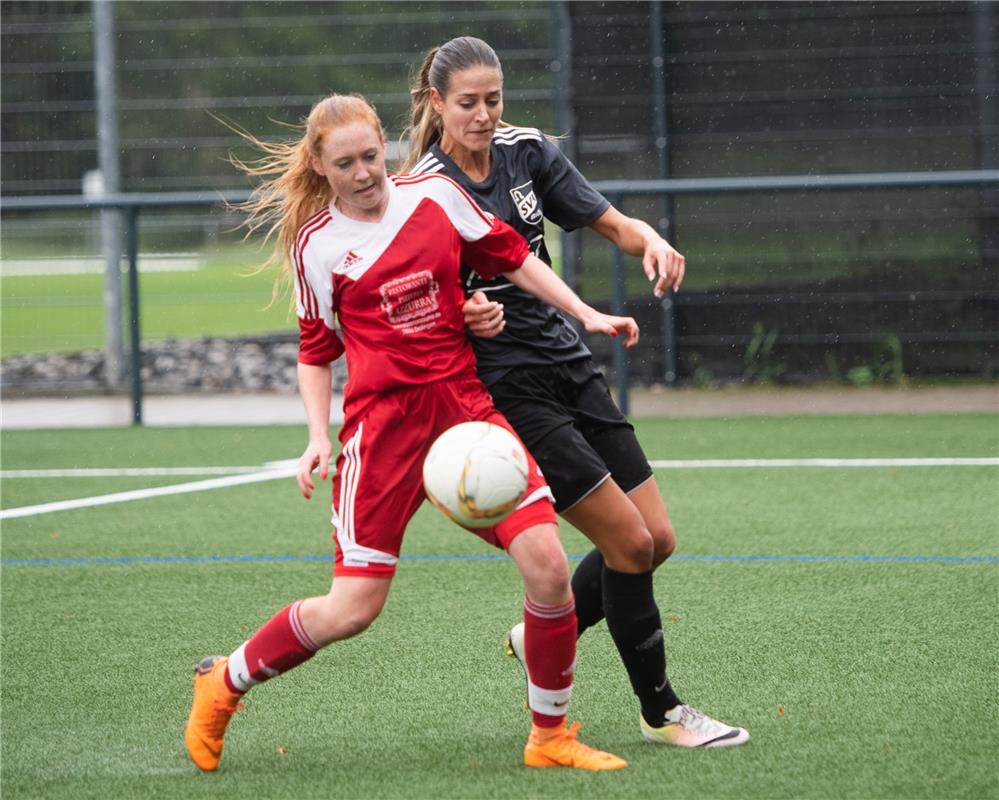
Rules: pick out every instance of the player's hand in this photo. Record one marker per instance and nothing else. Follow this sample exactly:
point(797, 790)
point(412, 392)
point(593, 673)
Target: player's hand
point(484, 317)
point(664, 265)
point(611, 325)
point(316, 455)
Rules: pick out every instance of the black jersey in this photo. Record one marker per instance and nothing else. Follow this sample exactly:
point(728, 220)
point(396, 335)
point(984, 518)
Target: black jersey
point(531, 179)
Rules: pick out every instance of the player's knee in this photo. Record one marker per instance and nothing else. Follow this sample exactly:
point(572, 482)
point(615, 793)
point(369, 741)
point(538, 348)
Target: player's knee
point(344, 623)
point(550, 583)
point(631, 551)
point(664, 541)
point(340, 615)
point(542, 562)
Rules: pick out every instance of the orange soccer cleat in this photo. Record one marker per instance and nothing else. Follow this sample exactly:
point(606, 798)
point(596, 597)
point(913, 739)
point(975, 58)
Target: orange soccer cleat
point(563, 749)
point(211, 711)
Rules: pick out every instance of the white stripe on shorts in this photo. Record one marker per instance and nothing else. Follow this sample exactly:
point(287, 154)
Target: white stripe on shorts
point(354, 554)
point(343, 518)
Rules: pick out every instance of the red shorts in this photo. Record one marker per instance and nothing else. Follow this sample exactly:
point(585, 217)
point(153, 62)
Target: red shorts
point(378, 484)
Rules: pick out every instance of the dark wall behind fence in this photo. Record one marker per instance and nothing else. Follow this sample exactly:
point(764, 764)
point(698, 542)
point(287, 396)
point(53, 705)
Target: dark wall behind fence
point(872, 279)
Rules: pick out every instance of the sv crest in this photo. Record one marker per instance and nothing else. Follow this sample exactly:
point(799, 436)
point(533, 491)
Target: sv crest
point(526, 202)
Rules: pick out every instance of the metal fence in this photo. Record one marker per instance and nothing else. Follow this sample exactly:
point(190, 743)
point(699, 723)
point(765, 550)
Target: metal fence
point(828, 168)
point(176, 67)
point(669, 343)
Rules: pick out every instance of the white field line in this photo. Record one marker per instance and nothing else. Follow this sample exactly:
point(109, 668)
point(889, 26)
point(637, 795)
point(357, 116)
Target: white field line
point(742, 463)
point(130, 472)
point(124, 472)
point(142, 494)
point(284, 469)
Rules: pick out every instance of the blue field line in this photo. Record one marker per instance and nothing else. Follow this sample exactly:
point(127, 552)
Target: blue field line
point(798, 559)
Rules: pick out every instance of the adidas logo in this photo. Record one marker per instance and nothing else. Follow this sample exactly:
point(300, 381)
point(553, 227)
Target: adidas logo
point(351, 259)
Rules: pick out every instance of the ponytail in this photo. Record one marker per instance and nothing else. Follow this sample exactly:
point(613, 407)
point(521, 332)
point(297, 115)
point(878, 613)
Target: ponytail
point(424, 124)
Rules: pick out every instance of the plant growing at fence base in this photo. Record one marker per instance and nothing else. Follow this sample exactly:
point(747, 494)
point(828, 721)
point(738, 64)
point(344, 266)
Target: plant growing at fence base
point(885, 367)
point(761, 364)
point(703, 377)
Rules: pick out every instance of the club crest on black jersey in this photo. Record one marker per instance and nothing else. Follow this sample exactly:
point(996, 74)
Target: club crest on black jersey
point(526, 203)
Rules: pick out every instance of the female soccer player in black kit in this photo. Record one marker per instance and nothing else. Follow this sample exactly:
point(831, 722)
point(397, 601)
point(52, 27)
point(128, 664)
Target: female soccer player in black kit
point(541, 375)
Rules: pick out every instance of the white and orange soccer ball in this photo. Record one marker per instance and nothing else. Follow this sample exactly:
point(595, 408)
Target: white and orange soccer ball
point(476, 473)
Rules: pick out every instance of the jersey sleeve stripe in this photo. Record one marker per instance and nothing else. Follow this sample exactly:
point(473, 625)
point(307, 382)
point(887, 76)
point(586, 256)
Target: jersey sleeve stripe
point(310, 302)
point(404, 180)
point(516, 133)
point(426, 161)
point(307, 295)
point(521, 138)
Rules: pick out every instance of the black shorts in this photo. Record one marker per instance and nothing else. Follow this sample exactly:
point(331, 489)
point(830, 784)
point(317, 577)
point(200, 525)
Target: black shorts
point(566, 416)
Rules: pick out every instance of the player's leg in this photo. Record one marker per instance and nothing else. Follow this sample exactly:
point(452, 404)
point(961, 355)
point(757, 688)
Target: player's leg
point(647, 498)
point(633, 620)
point(290, 638)
point(530, 535)
point(602, 436)
point(627, 597)
point(632, 499)
point(549, 652)
point(634, 623)
point(369, 517)
point(614, 580)
point(539, 404)
point(587, 578)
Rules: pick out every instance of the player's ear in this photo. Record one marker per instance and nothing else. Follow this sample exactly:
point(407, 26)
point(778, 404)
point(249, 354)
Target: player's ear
point(436, 100)
point(316, 163)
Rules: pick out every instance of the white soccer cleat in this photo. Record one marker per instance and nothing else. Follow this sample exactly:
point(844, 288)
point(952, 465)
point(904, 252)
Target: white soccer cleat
point(515, 643)
point(515, 649)
point(688, 727)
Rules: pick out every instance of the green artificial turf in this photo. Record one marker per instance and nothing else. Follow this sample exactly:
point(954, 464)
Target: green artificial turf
point(845, 616)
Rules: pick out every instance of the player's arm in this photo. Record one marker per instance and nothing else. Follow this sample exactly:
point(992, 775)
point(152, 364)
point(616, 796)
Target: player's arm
point(315, 386)
point(536, 277)
point(318, 347)
point(660, 260)
point(484, 317)
point(494, 247)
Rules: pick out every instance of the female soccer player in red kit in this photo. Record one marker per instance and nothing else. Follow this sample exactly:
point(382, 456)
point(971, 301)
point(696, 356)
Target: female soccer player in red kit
point(381, 255)
point(541, 375)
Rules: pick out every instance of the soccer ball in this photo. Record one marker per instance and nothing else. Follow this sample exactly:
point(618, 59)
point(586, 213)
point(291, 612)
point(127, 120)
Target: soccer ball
point(476, 473)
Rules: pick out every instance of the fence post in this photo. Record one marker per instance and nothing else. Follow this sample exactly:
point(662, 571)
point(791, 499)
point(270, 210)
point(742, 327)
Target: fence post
point(106, 95)
point(657, 53)
point(565, 124)
point(131, 217)
point(668, 320)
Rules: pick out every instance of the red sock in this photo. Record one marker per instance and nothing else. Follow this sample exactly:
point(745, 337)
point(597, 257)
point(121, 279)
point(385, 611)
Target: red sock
point(279, 646)
point(550, 652)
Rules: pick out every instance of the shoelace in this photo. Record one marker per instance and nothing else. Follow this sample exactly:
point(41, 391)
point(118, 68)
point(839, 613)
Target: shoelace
point(223, 711)
point(692, 718)
point(570, 738)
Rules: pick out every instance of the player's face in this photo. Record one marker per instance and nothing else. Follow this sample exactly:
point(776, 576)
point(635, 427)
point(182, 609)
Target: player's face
point(472, 108)
point(353, 162)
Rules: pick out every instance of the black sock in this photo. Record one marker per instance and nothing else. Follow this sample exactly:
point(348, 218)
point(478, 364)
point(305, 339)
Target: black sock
point(634, 623)
point(587, 586)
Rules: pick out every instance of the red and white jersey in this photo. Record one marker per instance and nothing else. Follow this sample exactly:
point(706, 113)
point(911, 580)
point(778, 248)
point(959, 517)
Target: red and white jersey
point(395, 286)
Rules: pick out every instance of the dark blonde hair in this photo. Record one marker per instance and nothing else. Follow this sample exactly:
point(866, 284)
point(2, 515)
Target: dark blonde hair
point(438, 67)
point(292, 191)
